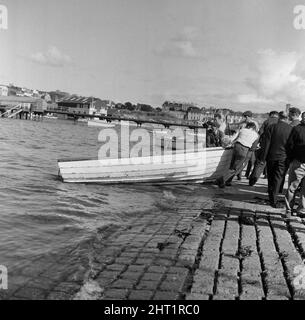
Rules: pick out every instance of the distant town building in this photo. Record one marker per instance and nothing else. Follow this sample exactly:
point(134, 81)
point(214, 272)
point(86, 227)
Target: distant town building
point(233, 118)
point(28, 104)
point(181, 115)
point(45, 96)
point(102, 106)
point(77, 105)
point(107, 103)
point(14, 91)
point(3, 90)
point(52, 106)
point(40, 106)
point(101, 111)
point(177, 106)
point(26, 92)
point(35, 93)
point(196, 115)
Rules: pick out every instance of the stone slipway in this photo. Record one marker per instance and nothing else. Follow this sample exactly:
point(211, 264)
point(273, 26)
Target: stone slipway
point(208, 244)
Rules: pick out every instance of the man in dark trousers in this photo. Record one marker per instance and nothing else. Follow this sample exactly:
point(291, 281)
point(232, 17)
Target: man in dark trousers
point(260, 166)
point(273, 118)
point(242, 150)
point(248, 117)
point(296, 154)
point(274, 151)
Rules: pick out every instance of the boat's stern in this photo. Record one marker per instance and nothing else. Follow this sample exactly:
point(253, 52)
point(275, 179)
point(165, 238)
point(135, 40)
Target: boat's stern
point(59, 175)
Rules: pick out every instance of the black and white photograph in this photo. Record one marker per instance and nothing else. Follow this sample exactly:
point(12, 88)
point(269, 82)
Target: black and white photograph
point(152, 150)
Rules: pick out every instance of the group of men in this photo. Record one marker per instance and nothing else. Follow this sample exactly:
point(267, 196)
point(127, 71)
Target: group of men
point(279, 147)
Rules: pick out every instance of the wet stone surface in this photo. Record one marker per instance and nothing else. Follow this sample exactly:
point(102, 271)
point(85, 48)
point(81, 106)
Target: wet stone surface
point(230, 247)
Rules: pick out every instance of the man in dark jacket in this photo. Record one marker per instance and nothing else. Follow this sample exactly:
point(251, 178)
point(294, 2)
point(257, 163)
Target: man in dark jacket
point(296, 154)
point(274, 152)
point(259, 165)
point(273, 118)
point(294, 116)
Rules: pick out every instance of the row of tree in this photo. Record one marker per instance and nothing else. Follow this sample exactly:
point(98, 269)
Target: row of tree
point(147, 108)
point(136, 107)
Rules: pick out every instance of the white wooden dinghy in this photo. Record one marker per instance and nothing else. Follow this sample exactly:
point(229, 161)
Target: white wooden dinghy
point(50, 117)
point(82, 120)
point(190, 167)
point(127, 123)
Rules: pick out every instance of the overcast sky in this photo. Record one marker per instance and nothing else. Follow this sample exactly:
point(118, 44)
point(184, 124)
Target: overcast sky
point(240, 54)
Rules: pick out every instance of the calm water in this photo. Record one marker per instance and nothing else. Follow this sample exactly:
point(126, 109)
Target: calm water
point(40, 215)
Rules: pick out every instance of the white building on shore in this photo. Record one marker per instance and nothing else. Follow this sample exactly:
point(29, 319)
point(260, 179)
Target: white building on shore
point(77, 105)
point(3, 90)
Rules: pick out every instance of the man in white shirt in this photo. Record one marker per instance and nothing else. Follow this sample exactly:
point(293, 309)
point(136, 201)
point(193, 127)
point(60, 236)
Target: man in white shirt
point(248, 117)
point(243, 141)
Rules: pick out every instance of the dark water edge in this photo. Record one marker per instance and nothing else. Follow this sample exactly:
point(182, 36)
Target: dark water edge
point(43, 220)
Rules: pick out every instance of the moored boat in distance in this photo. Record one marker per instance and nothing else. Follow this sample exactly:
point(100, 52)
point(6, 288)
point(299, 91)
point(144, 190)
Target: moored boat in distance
point(190, 167)
point(127, 123)
point(82, 120)
point(50, 116)
point(100, 123)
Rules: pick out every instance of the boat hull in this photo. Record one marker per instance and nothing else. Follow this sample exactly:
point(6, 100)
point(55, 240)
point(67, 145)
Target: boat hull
point(191, 167)
point(97, 123)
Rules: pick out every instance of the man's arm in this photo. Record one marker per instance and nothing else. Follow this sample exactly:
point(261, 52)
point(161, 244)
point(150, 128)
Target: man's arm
point(262, 129)
point(290, 144)
point(235, 136)
point(254, 145)
point(265, 143)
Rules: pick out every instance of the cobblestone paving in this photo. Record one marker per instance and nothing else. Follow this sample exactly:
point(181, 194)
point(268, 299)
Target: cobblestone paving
point(231, 246)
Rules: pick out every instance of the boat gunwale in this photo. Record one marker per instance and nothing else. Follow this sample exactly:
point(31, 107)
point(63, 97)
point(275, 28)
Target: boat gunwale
point(178, 152)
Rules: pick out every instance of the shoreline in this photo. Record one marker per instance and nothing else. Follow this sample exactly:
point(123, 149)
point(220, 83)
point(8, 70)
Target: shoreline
point(208, 244)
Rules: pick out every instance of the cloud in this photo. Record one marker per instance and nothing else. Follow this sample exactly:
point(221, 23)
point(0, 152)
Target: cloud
point(52, 57)
point(182, 45)
point(277, 79)
point(188, 33)
point(3, 77)
point(253, 98)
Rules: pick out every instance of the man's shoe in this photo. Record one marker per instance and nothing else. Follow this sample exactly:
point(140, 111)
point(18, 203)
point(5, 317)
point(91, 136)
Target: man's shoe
point(288, 215)
point(277, 205)
point(220, 182)
point(252, 181)
point(301, 213)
